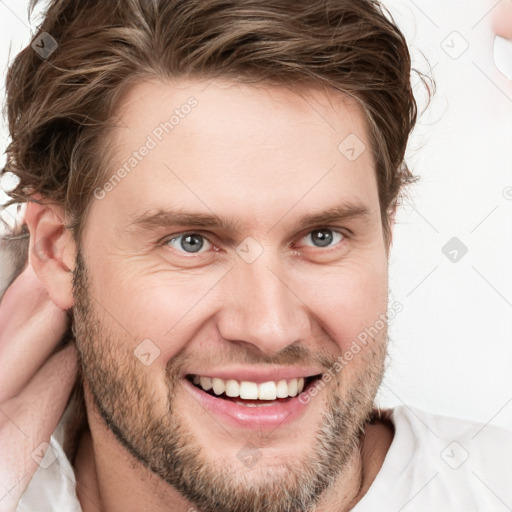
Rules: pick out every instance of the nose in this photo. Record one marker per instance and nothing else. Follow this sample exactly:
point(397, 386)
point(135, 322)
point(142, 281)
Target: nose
point(261, 308)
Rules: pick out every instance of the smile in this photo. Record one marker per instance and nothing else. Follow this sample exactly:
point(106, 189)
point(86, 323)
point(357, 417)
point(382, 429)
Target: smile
point(250, 390)
point(250, 404)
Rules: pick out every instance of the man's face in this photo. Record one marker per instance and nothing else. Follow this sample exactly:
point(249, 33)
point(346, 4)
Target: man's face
point(265, 296)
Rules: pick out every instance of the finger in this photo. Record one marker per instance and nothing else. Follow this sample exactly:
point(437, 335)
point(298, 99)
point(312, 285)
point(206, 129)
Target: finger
point(28, 421)
point(502, 20)
point(43, 400)
point(31, 326)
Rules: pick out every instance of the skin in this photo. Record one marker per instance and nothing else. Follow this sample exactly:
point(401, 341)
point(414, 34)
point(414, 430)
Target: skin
point(31, 326)
point(265, 169)
point(36, 380)
point(502, 19)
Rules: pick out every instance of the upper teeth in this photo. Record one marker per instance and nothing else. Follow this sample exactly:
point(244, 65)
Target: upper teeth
point(251, 390)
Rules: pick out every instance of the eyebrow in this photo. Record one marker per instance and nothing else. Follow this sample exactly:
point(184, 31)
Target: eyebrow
point(179, 217)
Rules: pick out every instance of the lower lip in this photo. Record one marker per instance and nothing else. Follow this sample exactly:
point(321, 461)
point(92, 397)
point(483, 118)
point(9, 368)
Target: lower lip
point(250, 418)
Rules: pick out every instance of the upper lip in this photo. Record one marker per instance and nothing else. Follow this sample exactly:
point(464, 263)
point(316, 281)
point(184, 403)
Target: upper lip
point(259, 375)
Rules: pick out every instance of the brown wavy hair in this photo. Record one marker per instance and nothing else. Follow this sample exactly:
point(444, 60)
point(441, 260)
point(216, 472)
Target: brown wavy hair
point(60, 108)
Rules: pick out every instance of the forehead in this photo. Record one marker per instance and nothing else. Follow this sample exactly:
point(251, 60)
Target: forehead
point(245, 151)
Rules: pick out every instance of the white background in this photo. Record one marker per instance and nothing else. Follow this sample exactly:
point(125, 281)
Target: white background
point(451, 346)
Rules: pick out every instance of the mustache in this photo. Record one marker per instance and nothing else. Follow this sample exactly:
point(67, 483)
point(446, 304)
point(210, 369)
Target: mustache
point(292, 355)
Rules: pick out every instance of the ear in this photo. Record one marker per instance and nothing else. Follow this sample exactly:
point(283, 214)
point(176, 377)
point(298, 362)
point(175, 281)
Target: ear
point(52, 250)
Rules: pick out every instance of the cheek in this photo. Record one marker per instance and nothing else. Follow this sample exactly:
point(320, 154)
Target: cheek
point(144, 303)
point(348, 302)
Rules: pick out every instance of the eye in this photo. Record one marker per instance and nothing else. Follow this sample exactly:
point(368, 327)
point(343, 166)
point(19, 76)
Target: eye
point(324, 237)
point(189, 242)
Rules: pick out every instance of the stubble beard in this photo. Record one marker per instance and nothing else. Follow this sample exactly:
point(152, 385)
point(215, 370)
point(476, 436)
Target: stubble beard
point(162, 442)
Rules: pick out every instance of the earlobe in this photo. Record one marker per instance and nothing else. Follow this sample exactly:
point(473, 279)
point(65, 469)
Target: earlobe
point(52, 250)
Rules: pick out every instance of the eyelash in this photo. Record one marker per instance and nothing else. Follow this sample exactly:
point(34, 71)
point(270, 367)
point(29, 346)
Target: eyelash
point(345, 236)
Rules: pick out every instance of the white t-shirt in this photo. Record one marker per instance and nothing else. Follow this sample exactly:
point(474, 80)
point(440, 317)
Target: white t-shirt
point(434, 464)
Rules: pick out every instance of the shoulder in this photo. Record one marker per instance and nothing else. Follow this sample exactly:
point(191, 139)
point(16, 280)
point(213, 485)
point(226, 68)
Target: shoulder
point(53, 485)
point(466, 462)
point(442, 463)
point(459, 439)
point(422, 422)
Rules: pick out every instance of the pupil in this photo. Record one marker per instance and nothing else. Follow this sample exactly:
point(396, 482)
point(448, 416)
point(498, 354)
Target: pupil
point(322, 238)
point(192, 243)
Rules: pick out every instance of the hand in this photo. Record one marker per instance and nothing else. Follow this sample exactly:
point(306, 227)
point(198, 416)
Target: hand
point(502, 19)
point(35, 380)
